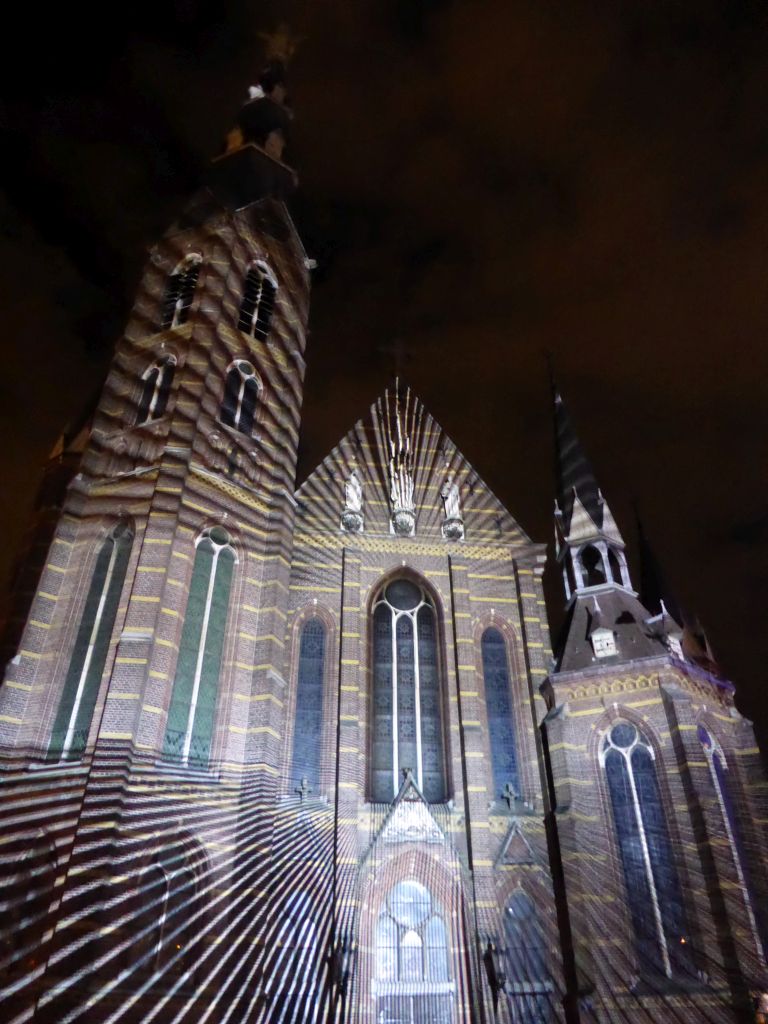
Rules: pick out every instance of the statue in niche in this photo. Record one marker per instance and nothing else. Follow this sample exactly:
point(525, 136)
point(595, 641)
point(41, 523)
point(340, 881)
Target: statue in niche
point(453, 524)
point(352, 515)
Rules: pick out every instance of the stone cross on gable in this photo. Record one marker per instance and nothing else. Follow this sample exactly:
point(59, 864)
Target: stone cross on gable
point(304, 788)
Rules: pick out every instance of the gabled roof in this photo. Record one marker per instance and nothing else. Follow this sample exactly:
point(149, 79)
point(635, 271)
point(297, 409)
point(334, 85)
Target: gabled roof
point(612, 608)
point(432, 458)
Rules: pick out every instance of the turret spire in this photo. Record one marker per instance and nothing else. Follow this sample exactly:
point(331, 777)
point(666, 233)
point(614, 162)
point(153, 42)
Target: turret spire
point(590, 547)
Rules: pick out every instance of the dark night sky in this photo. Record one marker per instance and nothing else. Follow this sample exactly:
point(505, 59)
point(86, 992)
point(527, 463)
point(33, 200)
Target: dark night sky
point(482, 179)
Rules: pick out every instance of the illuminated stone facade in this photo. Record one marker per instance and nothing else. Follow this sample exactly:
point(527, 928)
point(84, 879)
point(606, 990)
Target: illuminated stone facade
point(303, 755)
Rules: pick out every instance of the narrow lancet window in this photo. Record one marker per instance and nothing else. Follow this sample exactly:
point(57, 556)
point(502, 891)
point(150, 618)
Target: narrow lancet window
point(718, 769)
point(158, 379)
point(86, 666)
point(180, 291)
point(501, 730)
point(258, 302)
point(195, 689)
point(407, 728)
point(660, 931)
point(241, 393)
point(308, 720)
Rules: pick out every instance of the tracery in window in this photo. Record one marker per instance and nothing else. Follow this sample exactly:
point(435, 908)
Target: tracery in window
point(412, 958)
point(180, 291)
point(241, 392)
point(719, 773)
point(501, 729)
point(195, 689)
point(655, 899)
point(158, 379)
point(407, 727)
point(308, 718)
point(258, 302)
point(89, 657)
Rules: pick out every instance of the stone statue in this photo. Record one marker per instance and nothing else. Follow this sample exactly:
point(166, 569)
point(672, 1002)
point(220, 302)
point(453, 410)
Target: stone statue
point(453, 524)
point(353, 492)
point(352, 514)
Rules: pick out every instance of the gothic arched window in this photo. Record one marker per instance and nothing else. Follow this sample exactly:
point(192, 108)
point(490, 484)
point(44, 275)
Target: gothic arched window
point(308, 718)
point(193, 701)
point(258, 302)
point(86, 666)
point(615, 566)
point(528, 980)
point(407, 726)
point(501, 730)
point(157, 379)
point(718, 769)
point(241, 392)
point(592, 565)
point(180, 291)
point(161, 906)
point(412, 957)
point(655, 899)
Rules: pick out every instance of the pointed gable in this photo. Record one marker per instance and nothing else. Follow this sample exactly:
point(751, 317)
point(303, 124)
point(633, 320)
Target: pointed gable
point(379, 447)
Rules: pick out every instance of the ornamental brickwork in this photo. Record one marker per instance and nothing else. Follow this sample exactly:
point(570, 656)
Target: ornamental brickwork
point(281, 755)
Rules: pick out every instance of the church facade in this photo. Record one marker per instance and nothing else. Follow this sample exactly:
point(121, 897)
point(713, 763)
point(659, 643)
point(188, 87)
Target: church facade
point(278, 754)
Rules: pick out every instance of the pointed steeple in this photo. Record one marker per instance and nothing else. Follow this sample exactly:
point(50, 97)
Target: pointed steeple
point(573, 472)
point(589, 545)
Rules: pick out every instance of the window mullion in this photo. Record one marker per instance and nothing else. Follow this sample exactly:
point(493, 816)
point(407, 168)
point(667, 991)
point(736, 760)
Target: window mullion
point(89, 653)
point(395, 736)
point(735, 853)
point(200, 656)
point(239, 409)
point(417, 696)
point(648, 868)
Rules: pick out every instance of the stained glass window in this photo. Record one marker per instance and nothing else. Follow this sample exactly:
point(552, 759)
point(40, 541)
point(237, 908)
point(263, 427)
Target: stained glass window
point(156, 389)
point(241, 392)
point(258, 302)
point(407, 726)
point(89, 657)
point(180, 291)
point(195, 689)
point(655, 899)
point(501, 730)
point(308, 720)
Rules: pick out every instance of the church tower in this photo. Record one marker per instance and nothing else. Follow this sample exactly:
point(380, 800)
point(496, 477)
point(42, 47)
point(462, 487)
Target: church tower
point(141, 716)
point(651, 769)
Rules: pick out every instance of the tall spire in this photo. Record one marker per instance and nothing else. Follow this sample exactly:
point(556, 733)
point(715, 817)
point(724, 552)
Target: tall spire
point(590, 548)
point(573, 473)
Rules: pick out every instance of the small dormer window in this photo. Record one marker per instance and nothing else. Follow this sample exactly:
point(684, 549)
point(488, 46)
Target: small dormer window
point(603, 643)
